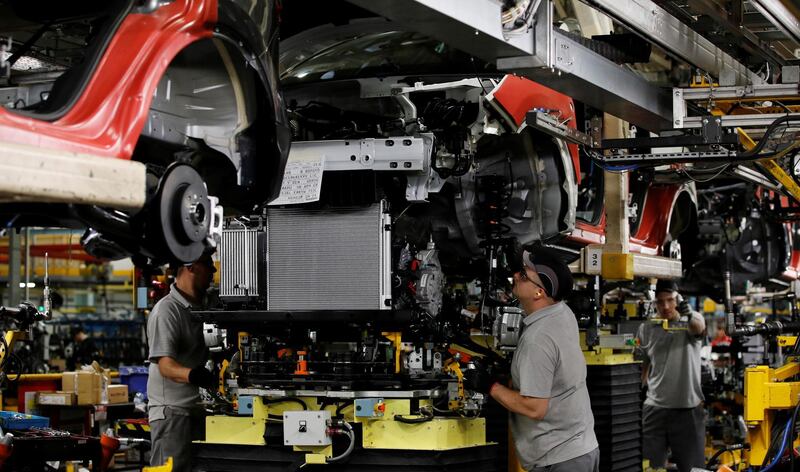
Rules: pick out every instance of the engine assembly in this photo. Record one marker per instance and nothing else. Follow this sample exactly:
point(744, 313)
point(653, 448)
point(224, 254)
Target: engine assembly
point(381, 276)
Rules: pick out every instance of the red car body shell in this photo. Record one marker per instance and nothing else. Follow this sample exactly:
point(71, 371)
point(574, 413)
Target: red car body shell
point(515, 96)
point(108, 116)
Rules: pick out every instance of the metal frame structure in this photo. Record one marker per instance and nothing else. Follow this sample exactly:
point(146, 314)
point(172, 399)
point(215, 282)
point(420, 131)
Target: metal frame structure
point(706, 97)
point(657, 25)
point(552, 58)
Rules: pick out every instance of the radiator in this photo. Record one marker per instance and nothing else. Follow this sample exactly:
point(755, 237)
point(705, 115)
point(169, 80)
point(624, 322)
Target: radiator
point(242, 256)
point(328, 259)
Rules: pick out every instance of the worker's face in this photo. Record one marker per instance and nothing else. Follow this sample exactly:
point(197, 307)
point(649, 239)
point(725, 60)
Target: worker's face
point(203, 273)
point(665, 305)
point(527, 285)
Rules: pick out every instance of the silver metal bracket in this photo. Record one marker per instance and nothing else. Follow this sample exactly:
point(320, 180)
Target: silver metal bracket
point(216, 212)
point(666, 158)
point(706, 97)
point(550, 125)
point(403, 153)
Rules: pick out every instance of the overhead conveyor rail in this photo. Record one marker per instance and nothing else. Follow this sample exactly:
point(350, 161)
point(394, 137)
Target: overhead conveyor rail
point(551, 57)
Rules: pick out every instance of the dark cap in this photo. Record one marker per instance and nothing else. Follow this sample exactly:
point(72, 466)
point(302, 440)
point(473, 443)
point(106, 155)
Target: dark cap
point(175, 264)
point(666, 285)
point(553, 272)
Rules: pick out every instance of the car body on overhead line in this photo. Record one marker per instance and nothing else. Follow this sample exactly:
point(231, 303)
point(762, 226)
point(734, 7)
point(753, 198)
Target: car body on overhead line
point(352, 81)
point(104, 98)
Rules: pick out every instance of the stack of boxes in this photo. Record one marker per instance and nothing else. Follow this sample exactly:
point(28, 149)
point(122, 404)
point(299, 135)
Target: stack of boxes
point(86, 387)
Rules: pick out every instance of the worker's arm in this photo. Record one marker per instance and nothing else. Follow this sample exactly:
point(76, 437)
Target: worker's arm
point(532, 407)
point(645, 371)
point(640, 351)
point(173, 370)
point(697, 324)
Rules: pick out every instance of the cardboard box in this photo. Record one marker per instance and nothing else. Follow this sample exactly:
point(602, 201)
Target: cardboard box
point(117, 394)
point(56, 398)
point(85, 385)
point(105, 381)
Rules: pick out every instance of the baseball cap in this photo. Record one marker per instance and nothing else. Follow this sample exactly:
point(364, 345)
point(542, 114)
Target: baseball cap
point(666, 285)
point(552, 271)
point(174, 265)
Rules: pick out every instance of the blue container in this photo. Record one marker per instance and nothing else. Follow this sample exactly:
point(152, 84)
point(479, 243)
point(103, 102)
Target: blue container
point(14, 420)
point(135, 377)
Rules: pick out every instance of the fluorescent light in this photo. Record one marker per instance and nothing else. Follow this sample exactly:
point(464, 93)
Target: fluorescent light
point(29, 285)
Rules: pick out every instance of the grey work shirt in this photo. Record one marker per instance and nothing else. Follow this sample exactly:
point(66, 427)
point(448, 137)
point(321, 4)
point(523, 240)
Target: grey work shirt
point(548, 363)
point(674, 358)
point(171, 332)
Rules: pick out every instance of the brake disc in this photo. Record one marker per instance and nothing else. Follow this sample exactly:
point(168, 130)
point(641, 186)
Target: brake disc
point(185, 212)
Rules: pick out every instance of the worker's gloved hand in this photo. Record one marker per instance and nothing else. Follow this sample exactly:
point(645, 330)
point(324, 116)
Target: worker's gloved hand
point(478, 379)
point(483, 376)
point(684, 309)
point(201, 377)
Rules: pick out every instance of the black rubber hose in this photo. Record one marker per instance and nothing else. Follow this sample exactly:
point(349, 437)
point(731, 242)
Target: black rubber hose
point(415, 420)
point(761, 143)
point(723, 450)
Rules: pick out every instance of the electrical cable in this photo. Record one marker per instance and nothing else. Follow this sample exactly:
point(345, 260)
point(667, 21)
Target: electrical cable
point(723, 450)
point(722, 168)
point(767, 133)
point(793, 423)
point(778, 456)
point(348, 431)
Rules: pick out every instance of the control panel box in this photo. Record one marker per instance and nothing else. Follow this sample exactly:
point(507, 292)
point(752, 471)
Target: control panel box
point(306, 428)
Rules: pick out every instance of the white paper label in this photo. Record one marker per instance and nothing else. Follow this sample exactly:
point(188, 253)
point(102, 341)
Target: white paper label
point(53, 400)
point(594, 263)
point(302, 181)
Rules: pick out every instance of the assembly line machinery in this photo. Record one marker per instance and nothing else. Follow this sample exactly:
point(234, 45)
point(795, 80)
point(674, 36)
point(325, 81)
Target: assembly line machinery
point(353, 308)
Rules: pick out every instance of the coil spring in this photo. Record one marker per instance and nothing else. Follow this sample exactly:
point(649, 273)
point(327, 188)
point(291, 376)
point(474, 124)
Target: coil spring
point(493, 199)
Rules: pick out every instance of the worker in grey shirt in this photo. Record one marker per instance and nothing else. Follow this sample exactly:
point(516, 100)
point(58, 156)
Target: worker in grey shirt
point(177, 357)
point(551, 417)
point(673, 417)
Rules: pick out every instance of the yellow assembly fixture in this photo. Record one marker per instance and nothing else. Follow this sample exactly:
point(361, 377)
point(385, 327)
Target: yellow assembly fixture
point(247, 430)
point(435, 434)
point(453, 367)
point(766, 391)
point(386, 424)
point(167, 467)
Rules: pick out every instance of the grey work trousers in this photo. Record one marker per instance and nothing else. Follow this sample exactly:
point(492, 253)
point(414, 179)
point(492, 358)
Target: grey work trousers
point(680, 430)
point(589, 462)
point(172, 436)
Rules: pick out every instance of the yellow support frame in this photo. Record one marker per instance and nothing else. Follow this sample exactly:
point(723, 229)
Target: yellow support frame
point(244, 430)
point(765, 391)
point(439, 434)
point(771, 165)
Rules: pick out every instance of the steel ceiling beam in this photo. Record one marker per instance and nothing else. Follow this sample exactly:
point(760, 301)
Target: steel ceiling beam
point(748, 41)
point(542, 53)
point(592, 79)
point(780, 16)
point(656, 25)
